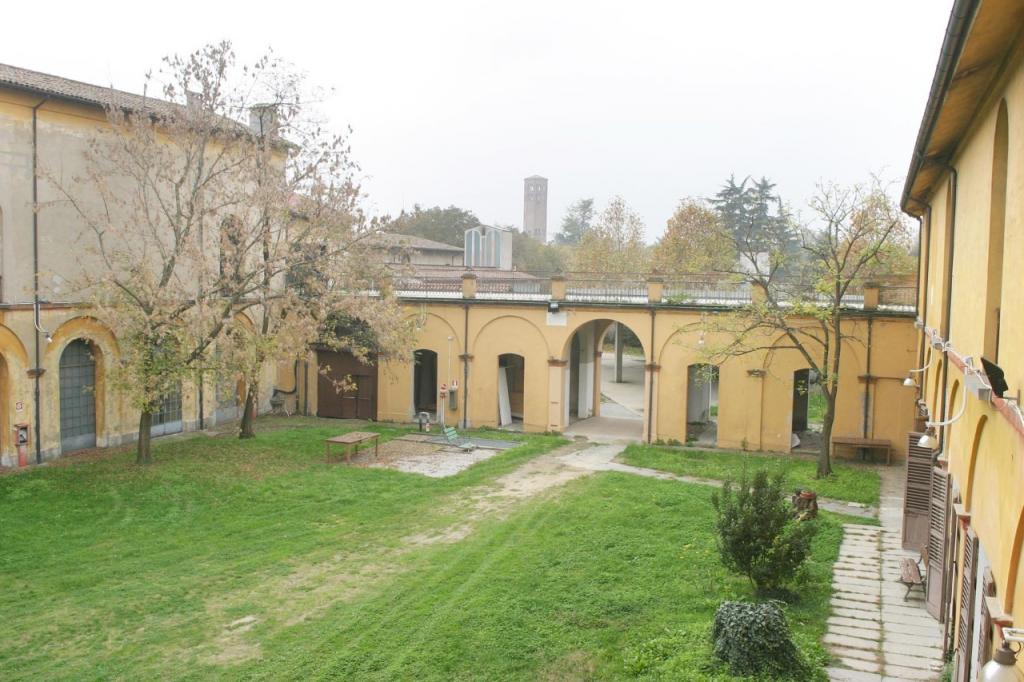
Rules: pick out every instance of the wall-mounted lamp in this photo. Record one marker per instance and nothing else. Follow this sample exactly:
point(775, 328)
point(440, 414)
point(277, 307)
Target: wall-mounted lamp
point(1003, 666)
point(929, 439)
point(39, 327)
point(553, 306)
point(909, 381)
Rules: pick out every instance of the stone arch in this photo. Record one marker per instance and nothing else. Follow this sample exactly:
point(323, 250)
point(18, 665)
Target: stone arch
point(528, 325)
point(570, 333)
point(508, 335)
point(103, 344)
point(680, 359)
point(996, 234)
point(14, 364)
point(935, 389)
point(979, 434)
point(426, 316)
point(1014, 567)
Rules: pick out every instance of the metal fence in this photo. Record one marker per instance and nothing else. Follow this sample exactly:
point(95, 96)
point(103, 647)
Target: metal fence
point(706, 291)
point(515, 288)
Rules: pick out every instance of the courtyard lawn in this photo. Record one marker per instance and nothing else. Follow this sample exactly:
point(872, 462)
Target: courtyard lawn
point(255, 560)
point(849, 481)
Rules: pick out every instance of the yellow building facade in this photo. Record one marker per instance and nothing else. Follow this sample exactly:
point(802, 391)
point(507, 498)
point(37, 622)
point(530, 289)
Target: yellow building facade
point(46, 124)
point(469, 341)
point(966, 186)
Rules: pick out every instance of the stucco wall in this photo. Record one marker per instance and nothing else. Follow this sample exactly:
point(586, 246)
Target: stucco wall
point(755, 391)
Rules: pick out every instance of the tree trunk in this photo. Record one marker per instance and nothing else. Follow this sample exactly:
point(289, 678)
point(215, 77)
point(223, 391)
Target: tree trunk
point(825, 454)
point(249, 412)
point(143, 455)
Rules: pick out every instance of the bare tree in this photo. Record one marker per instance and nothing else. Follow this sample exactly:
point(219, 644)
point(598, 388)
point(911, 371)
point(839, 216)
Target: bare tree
point(805, 311)
point(191, 214)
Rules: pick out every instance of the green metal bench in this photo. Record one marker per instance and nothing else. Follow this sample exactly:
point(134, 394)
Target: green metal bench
point(452, 437)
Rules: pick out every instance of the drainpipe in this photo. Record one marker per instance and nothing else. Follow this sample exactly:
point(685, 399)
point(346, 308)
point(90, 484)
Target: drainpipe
point(923, 259)
point(202, 409)
point(947, 323)
point(650, 382)
point(35, 270)
point(867, 380)
point(465, 366)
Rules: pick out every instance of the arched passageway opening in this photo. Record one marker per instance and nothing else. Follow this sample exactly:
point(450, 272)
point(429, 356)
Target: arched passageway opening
point(808, 411)
point(702, 404)
point(605, 382)
point(424, 383)
point(77, 396)
point(511, 390)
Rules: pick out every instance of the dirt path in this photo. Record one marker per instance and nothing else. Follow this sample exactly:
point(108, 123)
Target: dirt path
point(311, 588)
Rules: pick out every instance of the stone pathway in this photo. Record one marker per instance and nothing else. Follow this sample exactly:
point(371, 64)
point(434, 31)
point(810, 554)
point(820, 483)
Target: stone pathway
point(873, 633)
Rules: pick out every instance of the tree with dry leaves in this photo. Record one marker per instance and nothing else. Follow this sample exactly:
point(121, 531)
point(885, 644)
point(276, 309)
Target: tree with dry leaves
point(694, 241)
point(805, 311)
point(196, 237)
point(614, 243)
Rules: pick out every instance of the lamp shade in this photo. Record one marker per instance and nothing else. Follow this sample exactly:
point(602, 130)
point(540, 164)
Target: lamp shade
point(928, 441)
point(1002, 667)
point(909, 382)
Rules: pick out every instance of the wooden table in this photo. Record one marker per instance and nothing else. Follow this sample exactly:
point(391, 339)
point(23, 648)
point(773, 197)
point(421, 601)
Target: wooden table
point(866, 444)
point(352, 440)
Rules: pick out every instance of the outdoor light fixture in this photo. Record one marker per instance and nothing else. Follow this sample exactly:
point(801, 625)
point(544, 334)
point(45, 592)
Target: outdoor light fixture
point(39, 327)
point(909, 381)
point(1003, 666)
point(553, 307)
point(929, 439)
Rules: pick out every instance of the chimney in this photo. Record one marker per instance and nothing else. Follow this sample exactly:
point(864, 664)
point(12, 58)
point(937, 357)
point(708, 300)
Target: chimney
point(263, 119)
point(193, 100)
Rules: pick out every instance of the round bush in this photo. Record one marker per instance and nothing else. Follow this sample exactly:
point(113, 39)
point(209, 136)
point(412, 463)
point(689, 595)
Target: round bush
point(754, 639)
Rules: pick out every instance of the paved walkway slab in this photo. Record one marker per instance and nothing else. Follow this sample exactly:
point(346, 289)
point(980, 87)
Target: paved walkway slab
point(874, 634)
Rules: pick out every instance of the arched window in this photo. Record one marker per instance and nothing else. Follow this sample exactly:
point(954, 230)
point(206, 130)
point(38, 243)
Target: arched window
point(996, 229)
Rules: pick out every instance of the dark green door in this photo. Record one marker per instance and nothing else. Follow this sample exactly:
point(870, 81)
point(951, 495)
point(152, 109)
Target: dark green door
point(77, 397)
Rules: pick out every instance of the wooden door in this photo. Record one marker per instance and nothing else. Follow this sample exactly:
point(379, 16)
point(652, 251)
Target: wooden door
point(938, 543)
point(917, 494)
point(358, 400)
point(965, 620)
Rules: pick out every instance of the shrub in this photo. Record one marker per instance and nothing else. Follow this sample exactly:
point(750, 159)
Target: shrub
point(753, 639)
point(758, 535)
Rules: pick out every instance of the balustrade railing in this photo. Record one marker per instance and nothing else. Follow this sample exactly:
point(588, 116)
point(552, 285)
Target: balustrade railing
point(517, 288)
point(711, 290)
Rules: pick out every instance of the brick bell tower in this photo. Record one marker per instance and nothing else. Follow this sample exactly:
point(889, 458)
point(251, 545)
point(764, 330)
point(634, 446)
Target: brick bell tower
point(535, 208)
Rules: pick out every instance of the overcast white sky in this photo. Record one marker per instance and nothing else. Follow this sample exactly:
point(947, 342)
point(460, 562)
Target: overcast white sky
point(456, 102)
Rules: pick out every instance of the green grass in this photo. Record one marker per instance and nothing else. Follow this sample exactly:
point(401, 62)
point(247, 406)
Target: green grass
point(113, 571)
point(816, 405)
point(848, 482)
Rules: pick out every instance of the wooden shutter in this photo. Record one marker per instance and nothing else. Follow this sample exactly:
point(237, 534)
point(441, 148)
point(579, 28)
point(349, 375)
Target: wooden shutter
point(988, 589)
point(938, 545)
point(917, 494)
point(965, 622)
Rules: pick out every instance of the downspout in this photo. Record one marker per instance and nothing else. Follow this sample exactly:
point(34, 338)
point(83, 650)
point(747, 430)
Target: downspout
point(867, 381)
point(946, 323)
point(35, 270)
point(305, 388)
point(923, 261)
point(202, 417)
point(465, 366)
point(650, 384)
